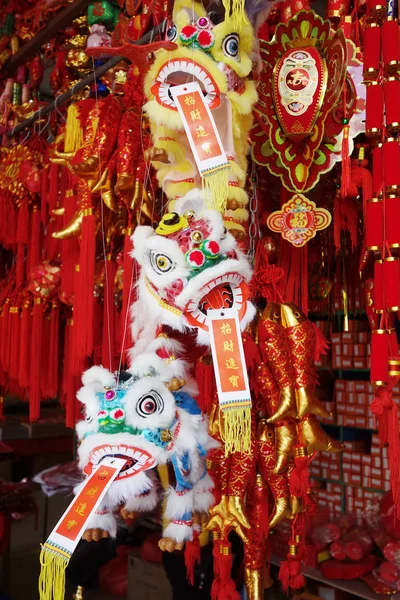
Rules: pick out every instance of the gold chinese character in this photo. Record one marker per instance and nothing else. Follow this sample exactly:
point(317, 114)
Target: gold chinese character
point(299, 219)
point(195, 115)
point(226, 328)
point(92, 491)
point(201, 132)
point(80, 509)
point(71, 525)
point(298, 78)
point(104, 473)
point(233, 380)
point(189, 100)
point(228, 346)
point(231, 364)
point(206, 147)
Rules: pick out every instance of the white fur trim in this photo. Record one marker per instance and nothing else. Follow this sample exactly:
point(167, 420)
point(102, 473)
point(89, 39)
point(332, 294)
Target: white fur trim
point(123, 489)
point(178, 532)
point(203, 501)
point(107, 522)
point(144, 362)
point(203, 497)
point(98, 378)
point(145, 503)
point(178, 504)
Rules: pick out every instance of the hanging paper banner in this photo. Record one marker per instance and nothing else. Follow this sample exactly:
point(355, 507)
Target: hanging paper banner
point(200, 128)
point(61, 543)
point(231, 378)
point(299, 220)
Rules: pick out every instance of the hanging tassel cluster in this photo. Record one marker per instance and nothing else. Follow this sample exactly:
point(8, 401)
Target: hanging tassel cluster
point(223, 587)
point(192, 557)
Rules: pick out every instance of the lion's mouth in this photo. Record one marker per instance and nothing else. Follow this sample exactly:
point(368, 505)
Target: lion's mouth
point(177, 72)
point(227, 291)
point(137, 459)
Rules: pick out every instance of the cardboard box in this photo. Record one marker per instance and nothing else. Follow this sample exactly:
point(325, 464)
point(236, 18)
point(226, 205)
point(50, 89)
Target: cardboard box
point(147, 581)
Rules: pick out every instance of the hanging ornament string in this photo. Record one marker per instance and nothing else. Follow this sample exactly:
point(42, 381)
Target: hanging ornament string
point(103, 234)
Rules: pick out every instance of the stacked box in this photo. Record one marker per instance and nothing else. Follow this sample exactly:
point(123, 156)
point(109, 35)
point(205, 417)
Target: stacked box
point(326, 466)
point(377, 466)
point(353, 399)
point(358, 500)
point(351, 349)
point(329, 497)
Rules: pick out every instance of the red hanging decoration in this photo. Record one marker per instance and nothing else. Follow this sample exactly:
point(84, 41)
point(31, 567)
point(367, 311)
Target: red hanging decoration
point(36, 360)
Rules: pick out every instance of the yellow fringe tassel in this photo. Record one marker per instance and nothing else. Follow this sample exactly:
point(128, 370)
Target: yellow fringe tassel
point(216, 188)
point(235, 11)
point(237, 430)
point(73, 130)
point(52, 575)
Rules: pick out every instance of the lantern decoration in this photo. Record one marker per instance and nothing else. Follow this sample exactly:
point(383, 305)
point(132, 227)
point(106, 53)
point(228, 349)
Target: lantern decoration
point(307, 84)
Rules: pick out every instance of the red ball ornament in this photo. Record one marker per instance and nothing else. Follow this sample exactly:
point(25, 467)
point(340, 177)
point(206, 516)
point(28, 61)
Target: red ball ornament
point(269, 245)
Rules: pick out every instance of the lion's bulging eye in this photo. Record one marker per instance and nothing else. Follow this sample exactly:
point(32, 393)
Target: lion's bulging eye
point(150, 404)
point(230, 45)
point(172, 33)
point(161, 263)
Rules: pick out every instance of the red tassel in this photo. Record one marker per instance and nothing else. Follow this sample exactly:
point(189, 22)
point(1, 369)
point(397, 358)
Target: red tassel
point(35, 245)
point(205, 380)
point(108, 343)
point(43, 195)
point(128, 293)
point(299, 482)
point(70, 382)
point(346, 178)
point(52, 388)
point(5, 336)
point(52, 197)
point(44, 366)
point(25, 346)
point(223, 588)
point(15, 342)
point(290, 571)
point(192, 557)
point(284, 575)
point(35, 366)
point(83, 296)
point(69, 250)
point(386, 411)
point(20, 264)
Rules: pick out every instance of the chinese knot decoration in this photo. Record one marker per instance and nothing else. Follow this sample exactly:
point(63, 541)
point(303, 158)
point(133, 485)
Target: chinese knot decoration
point(299, 220)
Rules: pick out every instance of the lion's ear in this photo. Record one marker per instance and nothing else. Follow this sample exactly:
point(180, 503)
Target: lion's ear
point(138, 239)
point(98, 378)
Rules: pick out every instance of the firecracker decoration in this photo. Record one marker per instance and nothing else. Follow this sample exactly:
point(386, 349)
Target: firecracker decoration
point(381, 238)
point(299, 220)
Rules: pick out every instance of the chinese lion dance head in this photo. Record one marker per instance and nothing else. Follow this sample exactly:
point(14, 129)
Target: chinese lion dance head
point(134, 415)
point(209, 50)
point(189, 264)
